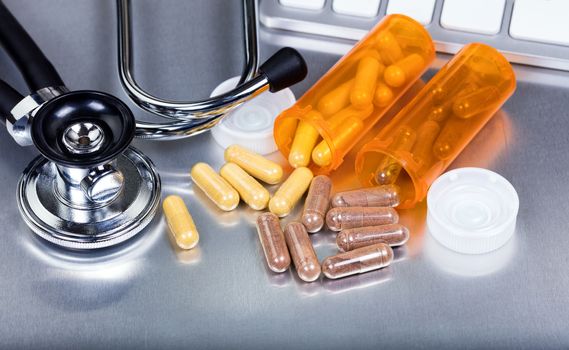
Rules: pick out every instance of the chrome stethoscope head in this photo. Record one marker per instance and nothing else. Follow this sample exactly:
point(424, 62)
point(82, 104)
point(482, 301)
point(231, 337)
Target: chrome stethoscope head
point(88, 189)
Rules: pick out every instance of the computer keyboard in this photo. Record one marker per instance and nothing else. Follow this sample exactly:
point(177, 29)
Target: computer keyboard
point(532, 32)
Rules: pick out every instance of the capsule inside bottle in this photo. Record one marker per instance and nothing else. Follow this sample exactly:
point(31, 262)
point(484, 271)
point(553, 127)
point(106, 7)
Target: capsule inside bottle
point(215, 187)
point(254, 164)
point(399, 73)
point(365, 81)
point(251, 191)
point(341, 218)
point(379, 196)
point(389, 169)
point(273, 242)
point(302, 252)
point(358, 261)
point(393, 234)
point(305, 139)
point(180, 222)
point(316, 204)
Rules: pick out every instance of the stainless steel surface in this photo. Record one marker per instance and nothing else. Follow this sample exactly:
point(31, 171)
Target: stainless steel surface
point(19, 122)
point(326, 23)
point(148, 294)
point(190, 118)
point(111, 204)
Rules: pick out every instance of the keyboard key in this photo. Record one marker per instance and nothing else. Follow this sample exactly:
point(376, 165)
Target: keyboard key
point(419, 10)
point(304, 4)
point(476, 16)
point(541, 20)
point(359, 8)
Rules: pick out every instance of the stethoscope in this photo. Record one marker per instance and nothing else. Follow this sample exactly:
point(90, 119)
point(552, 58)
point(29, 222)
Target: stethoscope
point(89, 188)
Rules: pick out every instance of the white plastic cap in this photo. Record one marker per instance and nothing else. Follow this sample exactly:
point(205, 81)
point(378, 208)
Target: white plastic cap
point(472, 210)
point(251, 124)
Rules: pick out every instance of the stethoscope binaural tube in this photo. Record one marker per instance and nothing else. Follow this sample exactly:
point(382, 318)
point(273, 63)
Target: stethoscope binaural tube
point(37, 70)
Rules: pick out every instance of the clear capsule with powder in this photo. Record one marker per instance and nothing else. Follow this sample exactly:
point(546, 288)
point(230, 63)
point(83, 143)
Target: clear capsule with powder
point(273, 242)
point(379, 196)
point(316, 204)
point(302, 252)
point(393, 234)
point(341, 218)
point(358, 261)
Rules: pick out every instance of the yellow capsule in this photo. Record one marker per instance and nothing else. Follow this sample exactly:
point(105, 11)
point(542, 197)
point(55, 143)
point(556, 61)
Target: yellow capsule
point(466, 105)
point(440, 113)
point(383, 95)
point(426, 136)
point(250, 190)
point(363, 88)
point(388, 47)
point(336, 99)
point(404, 70)
point(322, 154)
point(215, 187)
point(180, 222)
point(254, 164)
point(303, 143)
point(290, 192)
point(343, 134)
point(389, 168)
point(451, 137)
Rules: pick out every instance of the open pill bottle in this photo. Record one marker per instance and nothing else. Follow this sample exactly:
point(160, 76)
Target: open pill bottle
point(430, 132)
point(330, 118)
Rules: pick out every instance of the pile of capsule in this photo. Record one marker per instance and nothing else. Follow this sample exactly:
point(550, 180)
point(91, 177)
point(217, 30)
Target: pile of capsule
point(365, 219)
point(238, 179)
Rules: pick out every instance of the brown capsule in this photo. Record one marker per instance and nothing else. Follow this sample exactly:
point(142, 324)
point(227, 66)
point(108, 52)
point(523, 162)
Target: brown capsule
point(341, 218)
point(316, 203)
point(353, 238)
point(273, 242)
point(302, 252)
point(358, 261)
point(379, 196)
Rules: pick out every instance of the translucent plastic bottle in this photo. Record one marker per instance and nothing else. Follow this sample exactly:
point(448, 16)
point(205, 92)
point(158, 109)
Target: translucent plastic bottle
point(326, 123)
point(415, 148)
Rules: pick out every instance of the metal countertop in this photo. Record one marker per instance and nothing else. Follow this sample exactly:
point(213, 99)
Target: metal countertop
point(149, 295)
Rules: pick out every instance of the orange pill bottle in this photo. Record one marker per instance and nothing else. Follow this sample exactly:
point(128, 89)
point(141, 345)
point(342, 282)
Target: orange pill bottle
point(431, 131)
point(330, 118)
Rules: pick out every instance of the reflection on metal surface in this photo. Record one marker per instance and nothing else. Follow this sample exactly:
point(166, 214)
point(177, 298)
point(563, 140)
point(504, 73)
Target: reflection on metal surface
point(469, 265)
point(357, 282)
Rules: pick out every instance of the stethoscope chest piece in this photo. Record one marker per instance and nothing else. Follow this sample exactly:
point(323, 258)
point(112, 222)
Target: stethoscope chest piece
point(89, 189)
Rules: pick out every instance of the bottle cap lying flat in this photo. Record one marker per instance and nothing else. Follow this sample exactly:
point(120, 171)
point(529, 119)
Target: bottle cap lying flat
point(251, 124)
point(472, 210)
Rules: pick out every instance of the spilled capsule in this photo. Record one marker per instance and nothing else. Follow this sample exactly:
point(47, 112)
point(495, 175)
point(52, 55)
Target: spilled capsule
point(316, 204)
point(378, 196)
point(290, 192)
point(251, 191)
point(393, 234)
point(180, 222)
point(303, 255)
point(215, 187)
point(254, 164)
point(341, 218)
point(358, 261)
point(273, 242)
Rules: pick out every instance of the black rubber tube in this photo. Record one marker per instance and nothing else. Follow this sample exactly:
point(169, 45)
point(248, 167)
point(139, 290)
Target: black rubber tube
point(8, 99)
point(36, 69)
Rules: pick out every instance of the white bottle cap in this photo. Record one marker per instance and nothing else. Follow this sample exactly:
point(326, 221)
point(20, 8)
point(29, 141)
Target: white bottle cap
point(472, 210)
point(251, 124)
